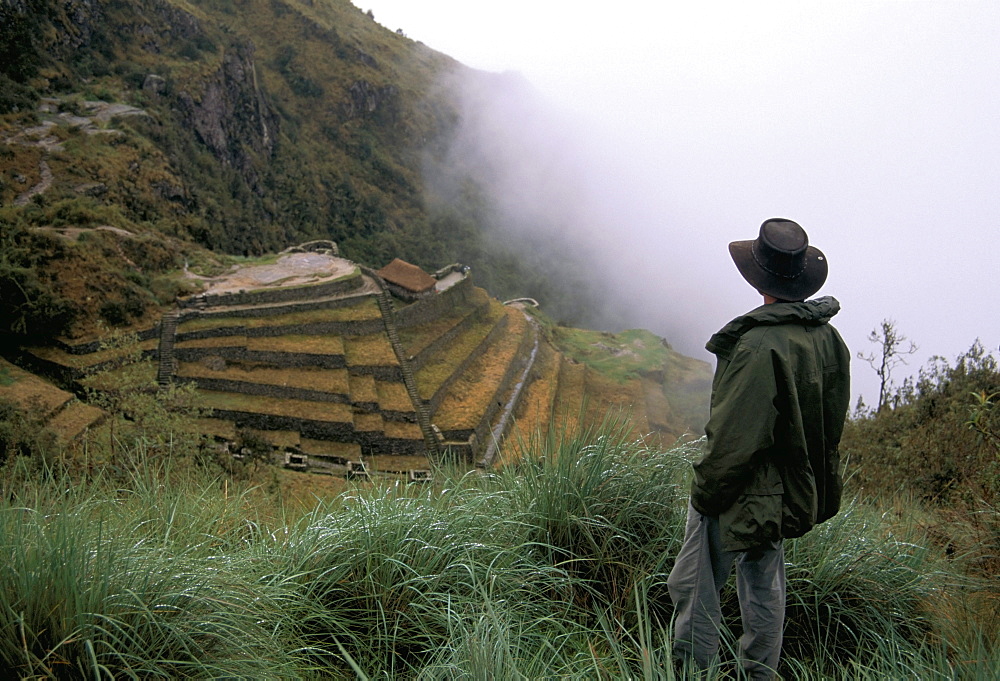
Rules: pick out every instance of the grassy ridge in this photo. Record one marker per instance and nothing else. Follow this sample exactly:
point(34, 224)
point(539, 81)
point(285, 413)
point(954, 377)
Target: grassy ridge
point(550, 568)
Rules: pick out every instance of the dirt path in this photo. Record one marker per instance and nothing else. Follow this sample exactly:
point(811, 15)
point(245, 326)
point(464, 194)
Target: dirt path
point(45, 183)
point(41, 135)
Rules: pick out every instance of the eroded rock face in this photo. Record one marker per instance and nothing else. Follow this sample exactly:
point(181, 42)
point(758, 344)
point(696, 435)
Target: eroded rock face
point(81, 17)
point(154, 84)
point(232, 115)
point(367, 100)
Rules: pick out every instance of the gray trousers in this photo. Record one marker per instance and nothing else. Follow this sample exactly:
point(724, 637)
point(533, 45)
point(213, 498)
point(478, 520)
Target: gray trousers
point(701, 570)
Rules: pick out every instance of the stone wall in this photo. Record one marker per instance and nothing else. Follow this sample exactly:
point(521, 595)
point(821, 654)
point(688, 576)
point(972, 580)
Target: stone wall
point(90, 347)
point(435, 306)
point(406, 294)
point(435, 401)
point(68, 375)
point(274, 310)
point(264, 389)
point(418, 360)
point(360, 327)
point(391, 373)
point(269, 296)
point(339, 431)
point(399, 416)
point(372, 442)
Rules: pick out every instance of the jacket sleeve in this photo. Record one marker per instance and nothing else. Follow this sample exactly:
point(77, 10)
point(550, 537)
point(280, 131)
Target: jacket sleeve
point(740, 427)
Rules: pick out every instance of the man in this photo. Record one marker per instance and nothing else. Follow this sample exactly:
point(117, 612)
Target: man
point(770, 471)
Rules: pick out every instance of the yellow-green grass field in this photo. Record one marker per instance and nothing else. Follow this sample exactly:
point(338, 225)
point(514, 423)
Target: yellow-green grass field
point(66, 359)
point(321, 380)
point(392, 396)
point(469, 396)
point(71, 421)
point(402, 430)
point(362, 388)
point(566, 414)
point(440, 367)
point(257, 404)
point(30, 392)
point(327, 344)
point(238, 341)
point(365, 309)
point(369, 423)
point(347, 450)
point(534, 411)
point(416, 338)
point(398, 463)
point(372, 350)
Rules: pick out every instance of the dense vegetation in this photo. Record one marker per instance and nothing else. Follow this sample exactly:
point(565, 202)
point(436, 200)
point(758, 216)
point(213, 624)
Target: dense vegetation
point(936, 445)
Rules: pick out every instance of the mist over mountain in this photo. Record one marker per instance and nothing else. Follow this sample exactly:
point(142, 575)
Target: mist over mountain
point(245, 126)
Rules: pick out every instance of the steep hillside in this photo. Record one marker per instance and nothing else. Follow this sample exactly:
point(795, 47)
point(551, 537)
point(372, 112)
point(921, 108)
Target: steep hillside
point(254, 124)
point(150, 146)
point(323, 363)
point(244, 127)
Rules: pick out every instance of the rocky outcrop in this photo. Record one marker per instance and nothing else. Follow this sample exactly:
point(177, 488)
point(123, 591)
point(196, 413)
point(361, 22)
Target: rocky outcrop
point(366, 100)
point(76, 26)
point(169, 23)
point(232, 115)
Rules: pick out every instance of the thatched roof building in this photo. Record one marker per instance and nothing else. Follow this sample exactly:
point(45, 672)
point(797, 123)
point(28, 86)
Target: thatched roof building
point(409, 279)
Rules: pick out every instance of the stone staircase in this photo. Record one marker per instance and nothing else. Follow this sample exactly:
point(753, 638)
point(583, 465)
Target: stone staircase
point(423, 416)
point(166, 363)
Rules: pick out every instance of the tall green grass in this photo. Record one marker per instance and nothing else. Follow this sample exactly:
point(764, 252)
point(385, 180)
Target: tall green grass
point(99, 582)
point(552, 568)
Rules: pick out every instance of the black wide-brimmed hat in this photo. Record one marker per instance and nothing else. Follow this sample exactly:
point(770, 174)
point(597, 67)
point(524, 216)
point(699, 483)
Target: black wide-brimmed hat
point(780, 262)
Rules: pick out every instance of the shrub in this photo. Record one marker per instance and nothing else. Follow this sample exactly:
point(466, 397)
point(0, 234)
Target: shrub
point(15, 97)
point(925, 443)
point(29, 305)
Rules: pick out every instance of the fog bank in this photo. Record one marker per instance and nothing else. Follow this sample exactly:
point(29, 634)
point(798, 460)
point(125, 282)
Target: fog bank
point(662, 132)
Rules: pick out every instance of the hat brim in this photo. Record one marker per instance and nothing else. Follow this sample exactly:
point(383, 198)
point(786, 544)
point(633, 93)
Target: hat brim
point(800, 287)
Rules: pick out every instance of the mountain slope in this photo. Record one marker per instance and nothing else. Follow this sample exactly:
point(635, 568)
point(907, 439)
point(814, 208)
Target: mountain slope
point(246, 127)
point(142, 141)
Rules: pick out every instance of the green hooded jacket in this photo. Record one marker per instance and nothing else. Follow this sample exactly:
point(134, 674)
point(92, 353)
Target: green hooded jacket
point(780, 395)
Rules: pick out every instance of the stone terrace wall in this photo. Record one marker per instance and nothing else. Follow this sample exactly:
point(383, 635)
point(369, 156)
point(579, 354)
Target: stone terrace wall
point(90, 347)
point(360, 327)
point(391, 373)
point(435, 401)
point(435, 306)
point(274, 310)
point(68, 374)
point(373, 442)
point(237, 353)
point(267, 296)
point(418, 360)
point(318, 430)
point(482, 429)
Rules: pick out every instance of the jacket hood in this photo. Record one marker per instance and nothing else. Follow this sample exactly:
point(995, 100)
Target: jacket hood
point(810, 312)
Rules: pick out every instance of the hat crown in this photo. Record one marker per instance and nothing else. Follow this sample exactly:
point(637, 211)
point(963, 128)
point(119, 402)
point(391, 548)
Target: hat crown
point(781, 247)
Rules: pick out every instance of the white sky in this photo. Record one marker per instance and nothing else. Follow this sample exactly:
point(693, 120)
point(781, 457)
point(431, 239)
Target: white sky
point(875, 125)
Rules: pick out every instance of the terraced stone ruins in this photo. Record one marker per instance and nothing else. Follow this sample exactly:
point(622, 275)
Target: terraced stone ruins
point(346, 370)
